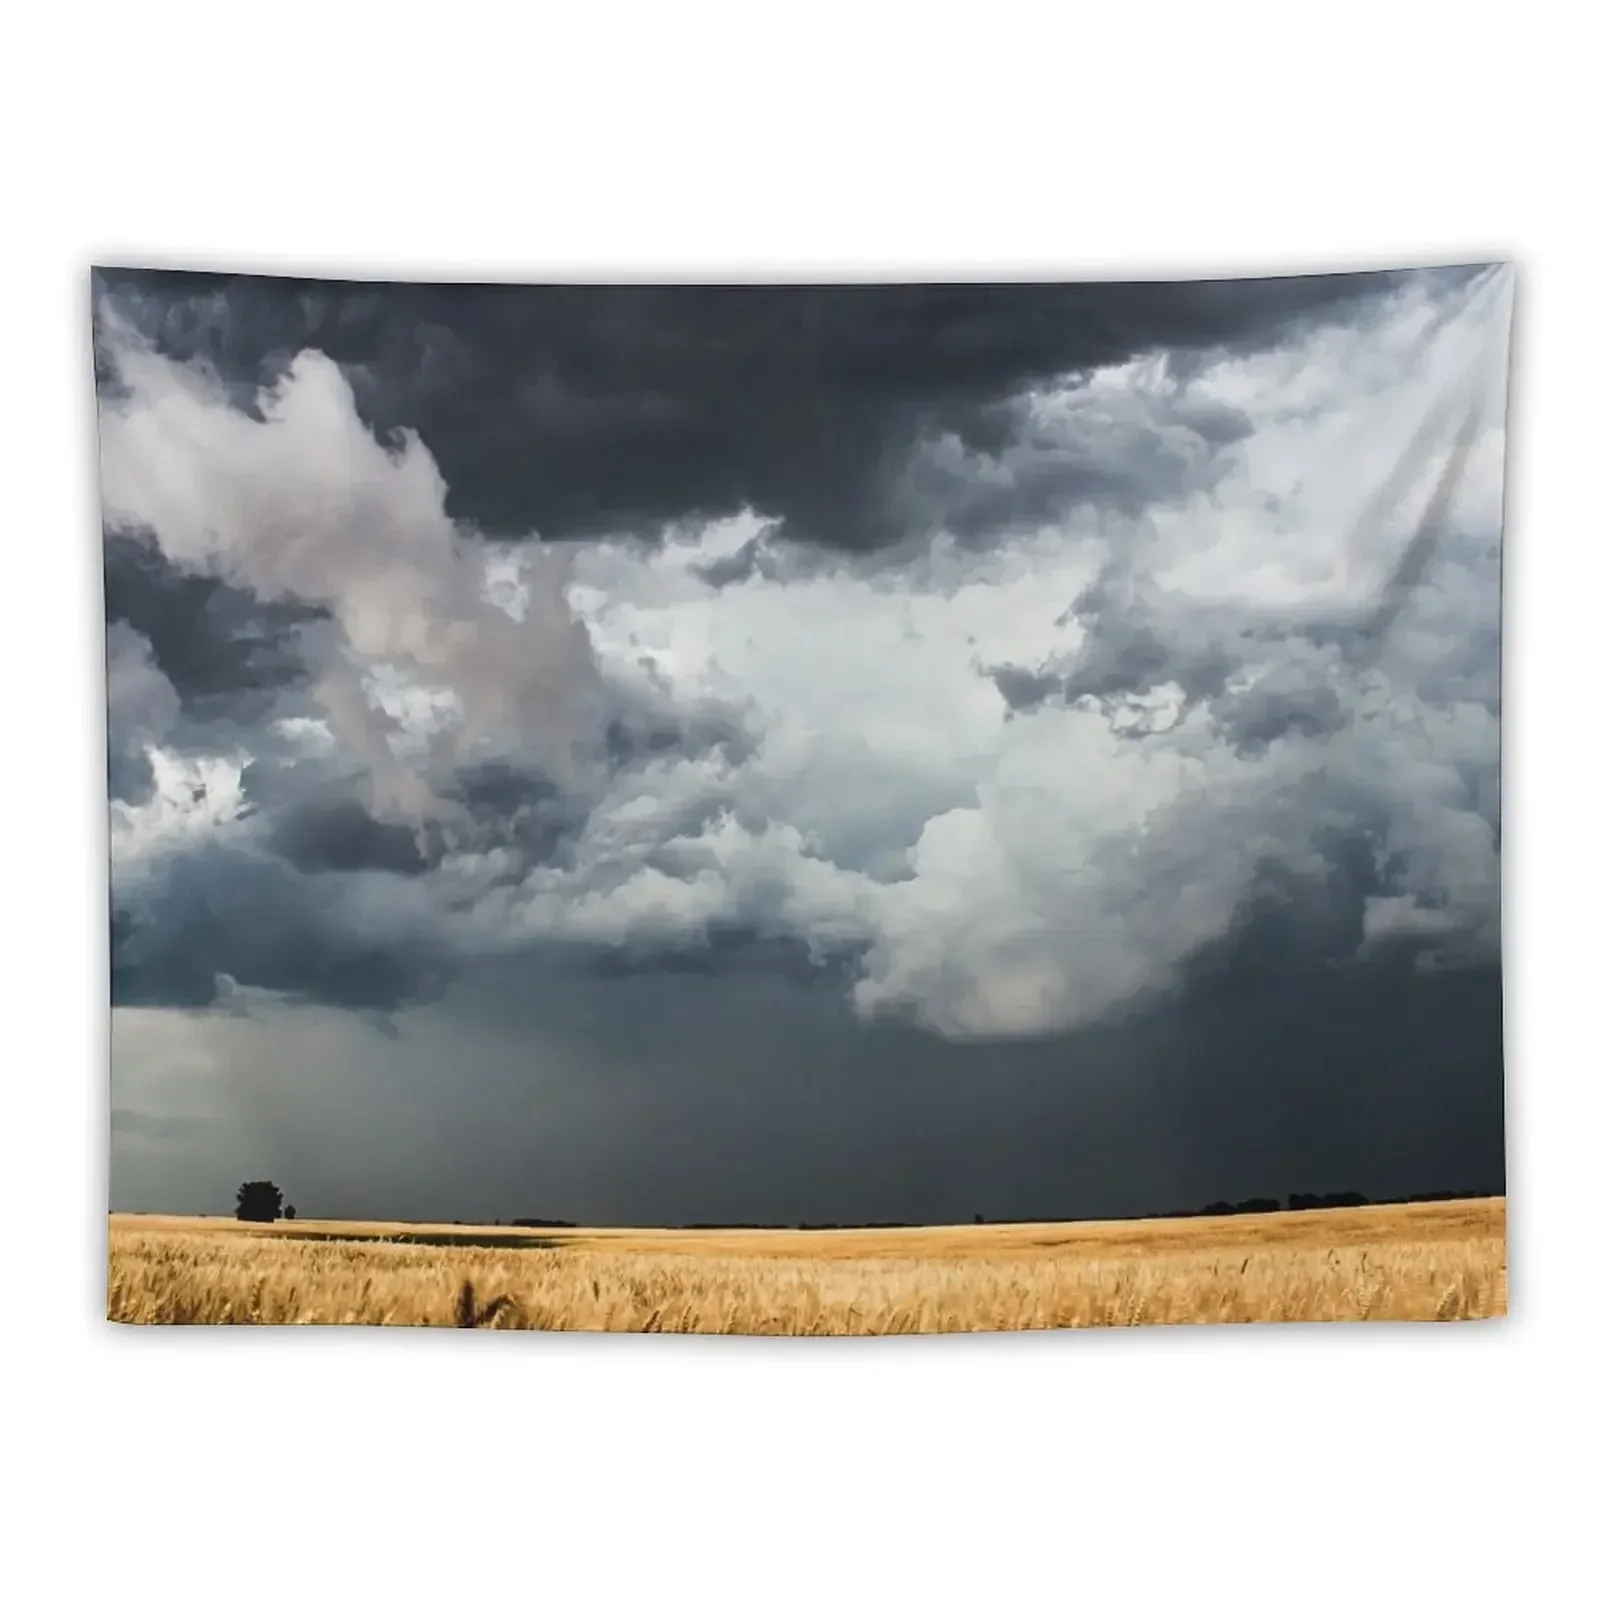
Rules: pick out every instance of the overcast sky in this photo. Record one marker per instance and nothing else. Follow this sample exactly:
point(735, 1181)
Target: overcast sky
point(650, 755)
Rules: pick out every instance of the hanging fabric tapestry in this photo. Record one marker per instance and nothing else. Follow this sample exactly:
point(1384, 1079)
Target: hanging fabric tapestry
point(817, 809)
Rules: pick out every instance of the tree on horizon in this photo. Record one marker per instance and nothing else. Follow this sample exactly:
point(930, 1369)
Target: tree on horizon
point(258, 1201)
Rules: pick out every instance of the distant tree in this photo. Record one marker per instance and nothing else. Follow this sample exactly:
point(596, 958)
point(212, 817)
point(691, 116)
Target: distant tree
point(977, 1216)
point(288, 1213)
point(1326, 1202)
point(258, 1201)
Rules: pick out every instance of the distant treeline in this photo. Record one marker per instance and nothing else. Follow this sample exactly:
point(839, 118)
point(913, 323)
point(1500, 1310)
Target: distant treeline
point(1218, 1208)
point(1327, 1202)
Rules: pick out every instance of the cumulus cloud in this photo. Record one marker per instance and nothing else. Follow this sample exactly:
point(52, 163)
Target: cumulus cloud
point(301, 502)
point(1000, 875)
point(1172, 635)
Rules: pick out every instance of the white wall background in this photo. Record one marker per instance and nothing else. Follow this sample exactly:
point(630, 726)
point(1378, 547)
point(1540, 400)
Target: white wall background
point(821, 140)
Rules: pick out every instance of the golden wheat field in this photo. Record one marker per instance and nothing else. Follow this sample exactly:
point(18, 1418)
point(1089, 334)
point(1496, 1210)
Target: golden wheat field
point(1417, 1263)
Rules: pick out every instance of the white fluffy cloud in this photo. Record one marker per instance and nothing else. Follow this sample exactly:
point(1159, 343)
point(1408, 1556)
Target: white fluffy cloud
point(991, 872)
point(302, 502)
point(192, 800)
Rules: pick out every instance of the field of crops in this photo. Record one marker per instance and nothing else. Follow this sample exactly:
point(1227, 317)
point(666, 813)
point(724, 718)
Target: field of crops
point(1430, 1262)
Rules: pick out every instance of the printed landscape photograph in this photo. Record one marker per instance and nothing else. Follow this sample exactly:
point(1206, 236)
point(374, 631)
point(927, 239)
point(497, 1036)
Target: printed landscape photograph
point(813, 809)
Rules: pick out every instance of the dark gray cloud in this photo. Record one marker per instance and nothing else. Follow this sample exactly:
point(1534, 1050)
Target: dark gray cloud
point(583, 409)
point(1123, 454)
point(341, 836)
point(220, 647)
point(141, 708)
point(215, 915)
point(1293, 698)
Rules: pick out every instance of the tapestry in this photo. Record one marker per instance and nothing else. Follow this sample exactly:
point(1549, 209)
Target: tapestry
point(804, 809)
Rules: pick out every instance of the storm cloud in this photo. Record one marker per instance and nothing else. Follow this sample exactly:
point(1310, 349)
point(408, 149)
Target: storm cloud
point(577, 410)
point(1011, 672)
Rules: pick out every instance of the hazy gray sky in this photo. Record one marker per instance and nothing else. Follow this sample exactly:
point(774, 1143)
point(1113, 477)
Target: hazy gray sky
point(802, 754)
